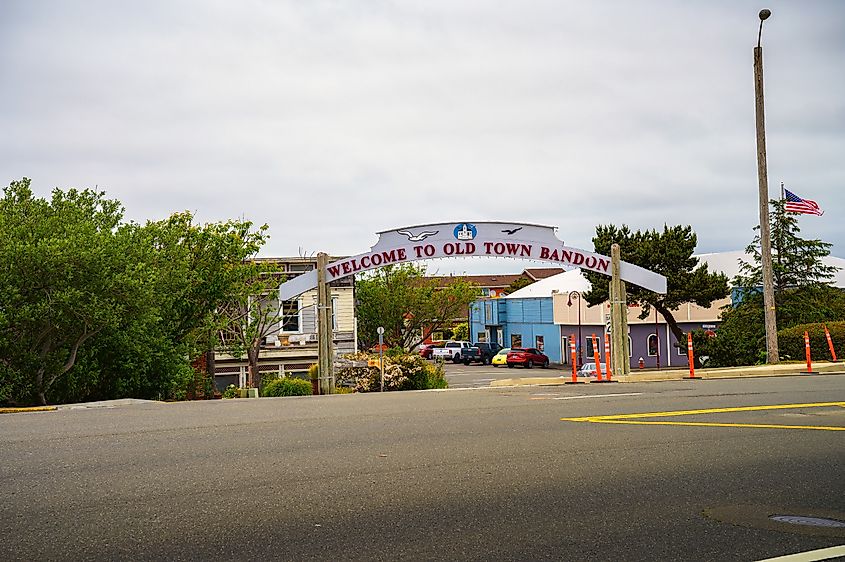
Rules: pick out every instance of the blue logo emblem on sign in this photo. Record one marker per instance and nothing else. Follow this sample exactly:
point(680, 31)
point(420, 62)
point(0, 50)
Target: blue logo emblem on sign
point(465, 231)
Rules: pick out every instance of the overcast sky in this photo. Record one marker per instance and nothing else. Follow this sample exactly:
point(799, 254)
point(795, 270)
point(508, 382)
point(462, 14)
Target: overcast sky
point(332, 120)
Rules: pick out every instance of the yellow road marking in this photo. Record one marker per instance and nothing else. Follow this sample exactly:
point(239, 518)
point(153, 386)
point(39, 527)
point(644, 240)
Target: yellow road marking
point(634, 419)
point(30, 409)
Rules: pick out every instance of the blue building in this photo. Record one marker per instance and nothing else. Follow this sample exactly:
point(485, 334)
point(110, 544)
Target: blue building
point(517, 322)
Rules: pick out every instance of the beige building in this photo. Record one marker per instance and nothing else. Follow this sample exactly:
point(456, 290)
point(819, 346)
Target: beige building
point(290, 344)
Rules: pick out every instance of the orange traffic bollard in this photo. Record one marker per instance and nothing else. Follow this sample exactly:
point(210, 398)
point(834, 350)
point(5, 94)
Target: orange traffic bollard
point(807, 351)
point(572, 347)
point(830, 344)
point(690, 356)
point(607, 356)
point(596, 359)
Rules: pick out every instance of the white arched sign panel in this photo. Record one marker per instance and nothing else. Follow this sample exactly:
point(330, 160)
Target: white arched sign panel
point(480, 239)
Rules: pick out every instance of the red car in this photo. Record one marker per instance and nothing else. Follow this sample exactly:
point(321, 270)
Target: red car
point(427, 349)
point(527, 357)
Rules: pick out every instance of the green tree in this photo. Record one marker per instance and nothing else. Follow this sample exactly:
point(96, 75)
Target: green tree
point(252, 314)
point(67, 272)
point(202, 269)
point(461, 332)
point(803, 294)
point(407, 304)
point(796, 262)
point(94, 308)
point(668, 253)
point(517, 284)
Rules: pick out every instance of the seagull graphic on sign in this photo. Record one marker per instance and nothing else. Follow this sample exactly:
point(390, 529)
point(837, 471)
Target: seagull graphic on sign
point(418, 237)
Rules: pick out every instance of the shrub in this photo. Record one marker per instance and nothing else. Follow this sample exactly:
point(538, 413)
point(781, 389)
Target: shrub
point(401, 372)
point(288, 387)
point(231, 391)
point(791, 341)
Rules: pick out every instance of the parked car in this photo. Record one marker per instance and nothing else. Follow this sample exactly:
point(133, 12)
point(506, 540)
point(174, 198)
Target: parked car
point(481, 352)
point(589, 370)
point(427, 349)
point(501, 358)
point(452, 351)
point(527, 357)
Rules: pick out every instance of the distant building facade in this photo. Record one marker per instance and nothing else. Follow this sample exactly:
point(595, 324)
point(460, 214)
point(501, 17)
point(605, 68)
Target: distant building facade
point(290, 347)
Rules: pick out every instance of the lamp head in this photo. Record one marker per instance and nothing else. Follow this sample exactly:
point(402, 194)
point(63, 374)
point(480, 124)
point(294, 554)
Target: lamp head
point(764, 14)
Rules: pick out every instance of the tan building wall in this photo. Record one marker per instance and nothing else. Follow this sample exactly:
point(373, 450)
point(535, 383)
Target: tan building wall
point(564, 314)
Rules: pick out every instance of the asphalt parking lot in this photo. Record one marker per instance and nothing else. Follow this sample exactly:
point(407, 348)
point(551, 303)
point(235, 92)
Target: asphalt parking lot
point(475, 375)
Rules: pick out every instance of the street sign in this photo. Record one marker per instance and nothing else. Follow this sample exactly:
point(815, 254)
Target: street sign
point(380, 330)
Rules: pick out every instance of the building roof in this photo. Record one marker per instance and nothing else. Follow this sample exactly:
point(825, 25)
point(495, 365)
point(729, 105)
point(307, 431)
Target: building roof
point(480, 280)
point(537, 273)
point(565, 282)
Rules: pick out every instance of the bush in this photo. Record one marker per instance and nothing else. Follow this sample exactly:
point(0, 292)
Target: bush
point(401, 372)
point(231, 391)
point(288, 387)
point(791, 341)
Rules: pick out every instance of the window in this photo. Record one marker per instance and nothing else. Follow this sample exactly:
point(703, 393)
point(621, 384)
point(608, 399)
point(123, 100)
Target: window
point(588, 348)
point(481, 337)
point(290, 316)
point(653, 345)
point(488, 313)
point(516, 340)
point(538, 342)
point(630, 347)
point(334, 314)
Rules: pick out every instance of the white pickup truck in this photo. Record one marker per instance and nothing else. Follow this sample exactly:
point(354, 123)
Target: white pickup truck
point(451, 351)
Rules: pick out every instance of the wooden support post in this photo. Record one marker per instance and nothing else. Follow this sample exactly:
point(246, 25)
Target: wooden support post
point(618, 316)
point(324, 327)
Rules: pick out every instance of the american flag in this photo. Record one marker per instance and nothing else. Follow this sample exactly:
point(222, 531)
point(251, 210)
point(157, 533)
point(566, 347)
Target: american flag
point(795, 204)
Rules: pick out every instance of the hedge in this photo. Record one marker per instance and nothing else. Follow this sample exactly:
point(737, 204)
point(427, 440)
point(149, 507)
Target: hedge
point(791, 341)
point(288, 387)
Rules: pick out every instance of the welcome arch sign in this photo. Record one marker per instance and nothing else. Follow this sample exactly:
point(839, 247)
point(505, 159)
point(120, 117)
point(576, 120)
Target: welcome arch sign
point(472, 239)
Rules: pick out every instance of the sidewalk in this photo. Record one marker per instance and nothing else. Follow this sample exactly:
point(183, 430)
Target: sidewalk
point(651, 375)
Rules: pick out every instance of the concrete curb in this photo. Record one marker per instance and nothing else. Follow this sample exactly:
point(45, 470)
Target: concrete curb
point(781, 370)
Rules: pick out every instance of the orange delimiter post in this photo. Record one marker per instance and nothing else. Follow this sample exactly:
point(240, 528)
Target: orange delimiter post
point(607, 356)
point(807, 351)
point(690, 356)
point(574, 366)
point(596, 359)
point(830, 344)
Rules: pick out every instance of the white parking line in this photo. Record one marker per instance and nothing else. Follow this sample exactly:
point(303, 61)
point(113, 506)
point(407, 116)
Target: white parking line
point(598, 396)
point(810, 556)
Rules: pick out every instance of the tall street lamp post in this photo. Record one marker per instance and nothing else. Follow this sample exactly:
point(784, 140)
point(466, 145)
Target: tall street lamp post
point(577, 296)
point(763, 181)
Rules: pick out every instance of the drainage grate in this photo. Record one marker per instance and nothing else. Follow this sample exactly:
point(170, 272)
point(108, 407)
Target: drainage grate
point(812, 521)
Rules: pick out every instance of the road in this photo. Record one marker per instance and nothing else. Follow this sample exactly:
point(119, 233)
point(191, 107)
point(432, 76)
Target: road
point(519, 473)
point(478, 376)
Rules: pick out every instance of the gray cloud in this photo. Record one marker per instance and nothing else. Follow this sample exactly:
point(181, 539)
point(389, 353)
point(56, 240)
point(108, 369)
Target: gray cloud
point(332, 120)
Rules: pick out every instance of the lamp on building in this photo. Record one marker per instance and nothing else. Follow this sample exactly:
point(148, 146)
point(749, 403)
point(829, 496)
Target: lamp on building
point(577, 295)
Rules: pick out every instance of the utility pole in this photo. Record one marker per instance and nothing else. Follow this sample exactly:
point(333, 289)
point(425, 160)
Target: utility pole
point(772, 354)
point(618, 316)
point(325, 349)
